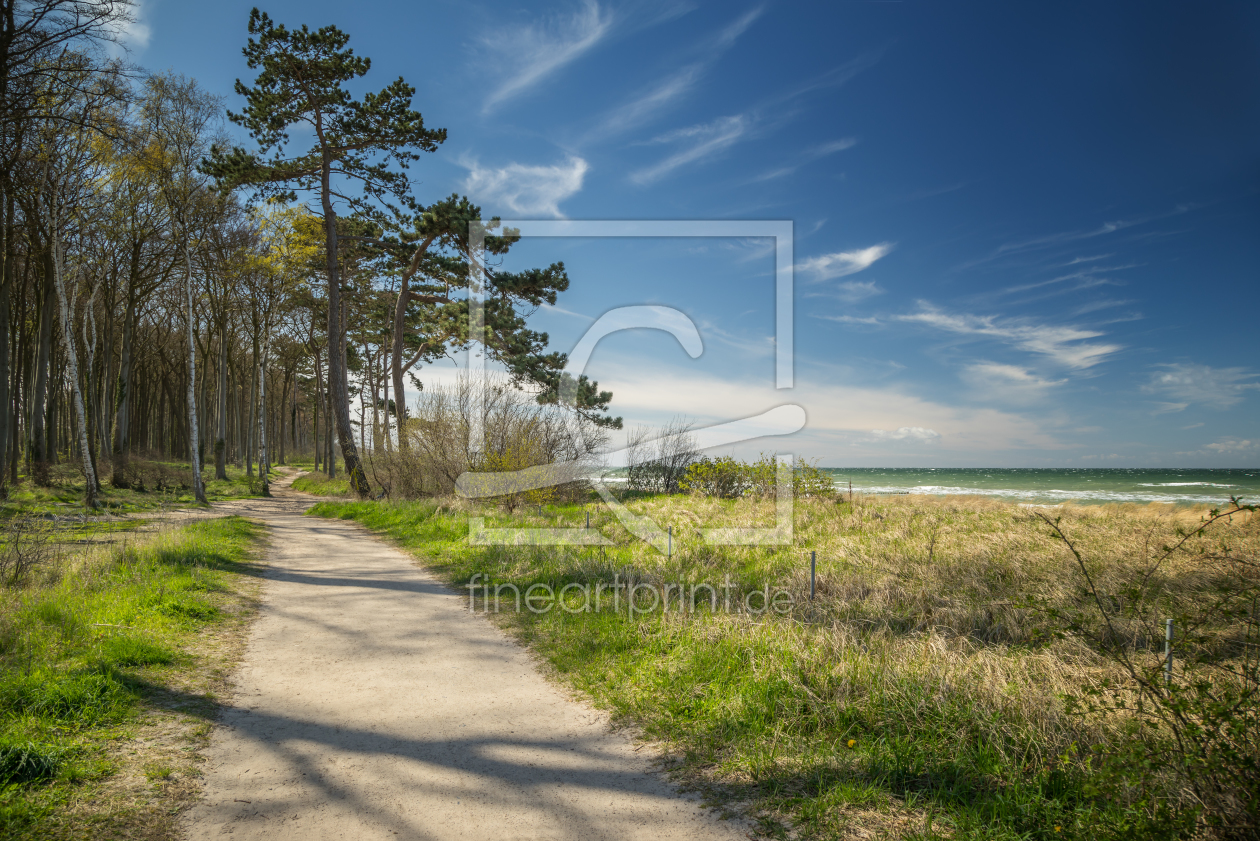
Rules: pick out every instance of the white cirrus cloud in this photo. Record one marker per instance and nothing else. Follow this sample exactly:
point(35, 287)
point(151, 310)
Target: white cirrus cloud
point(1065, 344)
point(526, 55)
point(841, 263)
point(852, 291)
point(523, 189)
point(807, 157)
point(1007, 383)
point(673, 87)
point(701, 143)
point(907, 433)
point(1188, 383)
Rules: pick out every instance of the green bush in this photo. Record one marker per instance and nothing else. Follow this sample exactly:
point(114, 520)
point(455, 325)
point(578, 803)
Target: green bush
point(727, 478)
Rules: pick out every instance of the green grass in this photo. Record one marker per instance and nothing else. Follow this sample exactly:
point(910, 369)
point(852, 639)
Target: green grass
point(162, 480)
point(917, 694)
point(320, 485)
point(87, 646)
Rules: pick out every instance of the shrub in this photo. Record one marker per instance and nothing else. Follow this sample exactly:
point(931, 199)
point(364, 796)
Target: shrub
point(723, 477)
point(27, 545)
point(727, 478)
point(516, 433)
point(1196, 723)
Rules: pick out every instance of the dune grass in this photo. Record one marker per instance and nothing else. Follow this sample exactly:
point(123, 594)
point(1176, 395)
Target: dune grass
point(86, 646)
point(925, 692)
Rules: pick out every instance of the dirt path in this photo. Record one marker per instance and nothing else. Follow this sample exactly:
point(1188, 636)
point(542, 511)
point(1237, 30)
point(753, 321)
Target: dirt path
point(372, 704)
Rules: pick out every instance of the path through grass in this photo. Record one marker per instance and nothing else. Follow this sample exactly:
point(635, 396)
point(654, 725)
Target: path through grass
point(918, 696)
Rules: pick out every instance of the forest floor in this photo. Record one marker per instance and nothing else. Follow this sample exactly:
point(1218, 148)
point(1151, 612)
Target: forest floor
point(371, 703)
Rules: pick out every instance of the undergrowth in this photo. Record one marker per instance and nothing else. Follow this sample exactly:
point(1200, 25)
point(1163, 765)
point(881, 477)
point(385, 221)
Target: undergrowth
point(161, 485)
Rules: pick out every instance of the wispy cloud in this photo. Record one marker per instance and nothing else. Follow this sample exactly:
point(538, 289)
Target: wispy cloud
point(130, 32)
point(851, 319)
point(1064, 344)
point(1067, 237)
point(703, 142)
point(1100, 304)
point(906, 433)
point(1187, 383)
point(841, 263)
point(834, 77)
point(706, 140)
point(1233, 445)
point(668, 90)
point(1078, 260)
point(526, 55)
point(1007, 383)
point(640, 109)
point(808, 157)
point(523, 189)
point(852, 291)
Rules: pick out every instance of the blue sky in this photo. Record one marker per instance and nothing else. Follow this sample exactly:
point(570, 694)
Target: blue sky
point(1025, 235)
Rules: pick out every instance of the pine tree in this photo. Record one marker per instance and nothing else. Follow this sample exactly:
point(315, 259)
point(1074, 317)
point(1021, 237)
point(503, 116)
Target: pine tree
point(369, 142)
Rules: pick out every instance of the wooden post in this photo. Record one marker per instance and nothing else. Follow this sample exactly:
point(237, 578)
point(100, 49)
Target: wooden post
point(813, 570)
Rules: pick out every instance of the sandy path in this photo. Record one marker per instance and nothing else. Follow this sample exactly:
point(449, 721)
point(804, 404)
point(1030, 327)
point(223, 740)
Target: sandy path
point(372, 704)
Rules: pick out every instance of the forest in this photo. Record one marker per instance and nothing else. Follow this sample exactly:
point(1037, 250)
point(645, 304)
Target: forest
point(173, 294)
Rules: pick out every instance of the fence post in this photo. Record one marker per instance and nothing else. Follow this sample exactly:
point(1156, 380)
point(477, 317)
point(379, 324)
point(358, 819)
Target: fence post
point(813, 569)
point(1168, 654)
point(670, 545)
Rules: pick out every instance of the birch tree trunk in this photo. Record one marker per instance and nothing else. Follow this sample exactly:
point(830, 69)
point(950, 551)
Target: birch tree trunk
point(199, 487)
point(90, 498)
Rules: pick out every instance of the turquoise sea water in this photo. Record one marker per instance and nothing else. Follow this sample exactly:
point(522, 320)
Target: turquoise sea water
point(1053, 485)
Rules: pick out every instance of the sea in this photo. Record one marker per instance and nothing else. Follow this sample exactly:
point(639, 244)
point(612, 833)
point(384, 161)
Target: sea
point(1050, 486)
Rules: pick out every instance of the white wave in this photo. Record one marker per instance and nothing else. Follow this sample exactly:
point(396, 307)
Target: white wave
point(1050, 495)
point(1185, 485)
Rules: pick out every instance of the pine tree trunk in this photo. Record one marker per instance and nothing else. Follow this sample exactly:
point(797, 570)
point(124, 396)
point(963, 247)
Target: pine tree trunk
point(337, 383)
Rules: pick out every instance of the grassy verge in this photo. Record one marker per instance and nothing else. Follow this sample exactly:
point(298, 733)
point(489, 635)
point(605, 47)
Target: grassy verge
point(109, 665)
point(320, 485)
point(920, 695)
point(157, 485)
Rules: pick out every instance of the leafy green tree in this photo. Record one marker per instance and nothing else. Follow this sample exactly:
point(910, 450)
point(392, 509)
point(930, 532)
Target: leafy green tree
point(366, 142)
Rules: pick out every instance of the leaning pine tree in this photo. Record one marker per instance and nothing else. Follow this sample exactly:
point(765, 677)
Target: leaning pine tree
point(355, 141)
